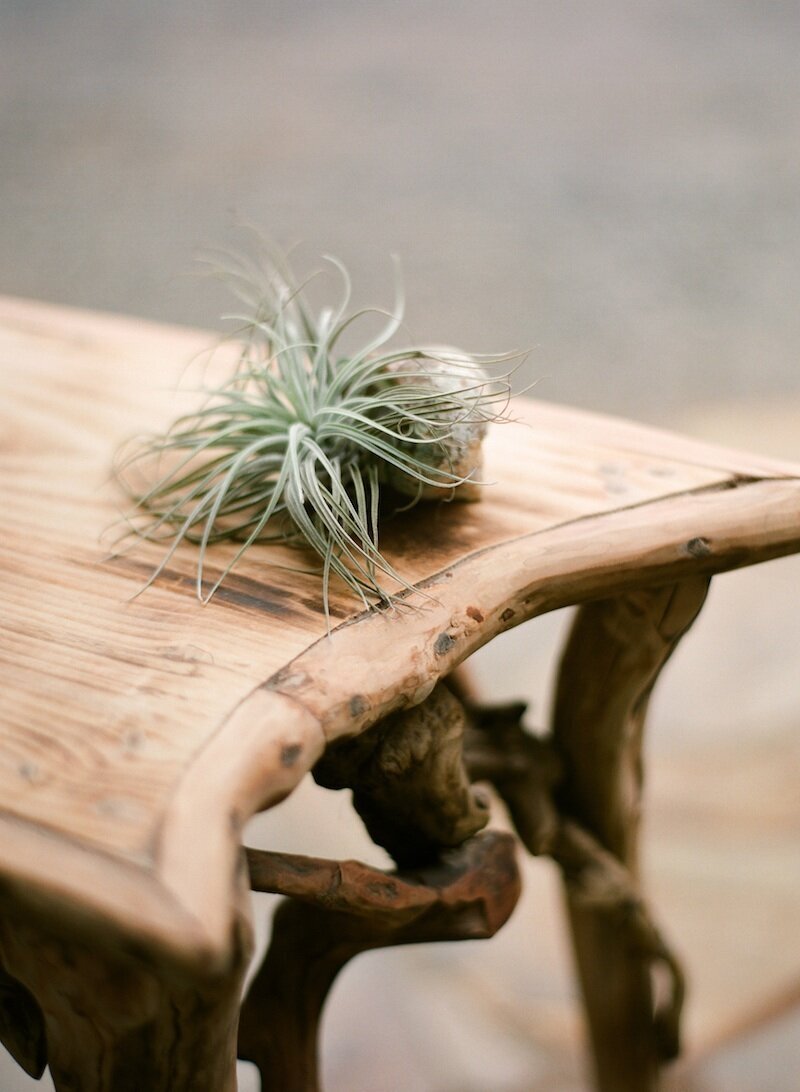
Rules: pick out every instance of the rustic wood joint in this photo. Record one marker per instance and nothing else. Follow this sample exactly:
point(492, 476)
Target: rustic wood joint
point(409, 783)
point(340, 909)
point(525, 770)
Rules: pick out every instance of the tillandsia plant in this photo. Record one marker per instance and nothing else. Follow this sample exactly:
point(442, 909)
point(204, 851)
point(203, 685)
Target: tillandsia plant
point(302, 440)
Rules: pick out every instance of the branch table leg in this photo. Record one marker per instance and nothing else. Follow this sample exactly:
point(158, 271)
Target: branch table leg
point(111, 1021)
point(22, 1029)
point(340, 909)
point(610, 665)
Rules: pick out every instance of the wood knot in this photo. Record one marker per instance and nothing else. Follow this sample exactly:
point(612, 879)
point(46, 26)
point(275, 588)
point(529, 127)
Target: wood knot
point(290, 752)
point(443, 643)
point(697, 547)
point(358, 704)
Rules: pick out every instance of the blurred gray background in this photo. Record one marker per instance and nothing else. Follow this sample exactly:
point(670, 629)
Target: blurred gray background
point(615, 186)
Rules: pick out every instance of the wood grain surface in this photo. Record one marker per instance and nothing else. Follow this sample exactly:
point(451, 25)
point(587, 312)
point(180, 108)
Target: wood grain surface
point(139, 732)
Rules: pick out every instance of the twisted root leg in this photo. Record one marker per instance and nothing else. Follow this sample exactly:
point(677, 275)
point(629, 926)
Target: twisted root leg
point(339, 909)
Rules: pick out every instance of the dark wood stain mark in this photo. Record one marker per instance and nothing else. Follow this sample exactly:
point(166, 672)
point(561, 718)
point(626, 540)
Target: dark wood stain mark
point(246, 592)
point(434, 533)
point(507, 615)
point(443, 643)
point(290, 753)
point(314, 606)
point(358, 705)
point(237, 590)
point(474, 614)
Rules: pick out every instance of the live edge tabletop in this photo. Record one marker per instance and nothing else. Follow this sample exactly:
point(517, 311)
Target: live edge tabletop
point(138, 732)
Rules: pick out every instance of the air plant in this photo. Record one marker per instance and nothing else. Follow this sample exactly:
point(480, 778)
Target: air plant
point(302, 441)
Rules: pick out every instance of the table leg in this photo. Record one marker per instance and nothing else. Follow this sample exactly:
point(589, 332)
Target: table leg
point(413, 793)
point(114, 1023)
point(339, 909)
point(22, 1030)
point(609, 667)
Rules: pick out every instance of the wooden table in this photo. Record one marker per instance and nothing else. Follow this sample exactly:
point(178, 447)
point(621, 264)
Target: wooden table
point(138, 734)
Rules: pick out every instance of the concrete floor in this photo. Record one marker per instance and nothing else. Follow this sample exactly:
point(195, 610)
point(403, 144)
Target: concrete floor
point(612, 185)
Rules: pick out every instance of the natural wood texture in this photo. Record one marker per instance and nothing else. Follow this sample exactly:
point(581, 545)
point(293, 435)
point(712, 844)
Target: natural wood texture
point(114, 1020)
point(138, 734)
point(408, 779)
point(613, 657)
point(166, 710)
point(523, 768)
point(340, 909)
point(22, 1029)
point(529, 775)
point(412, 790)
